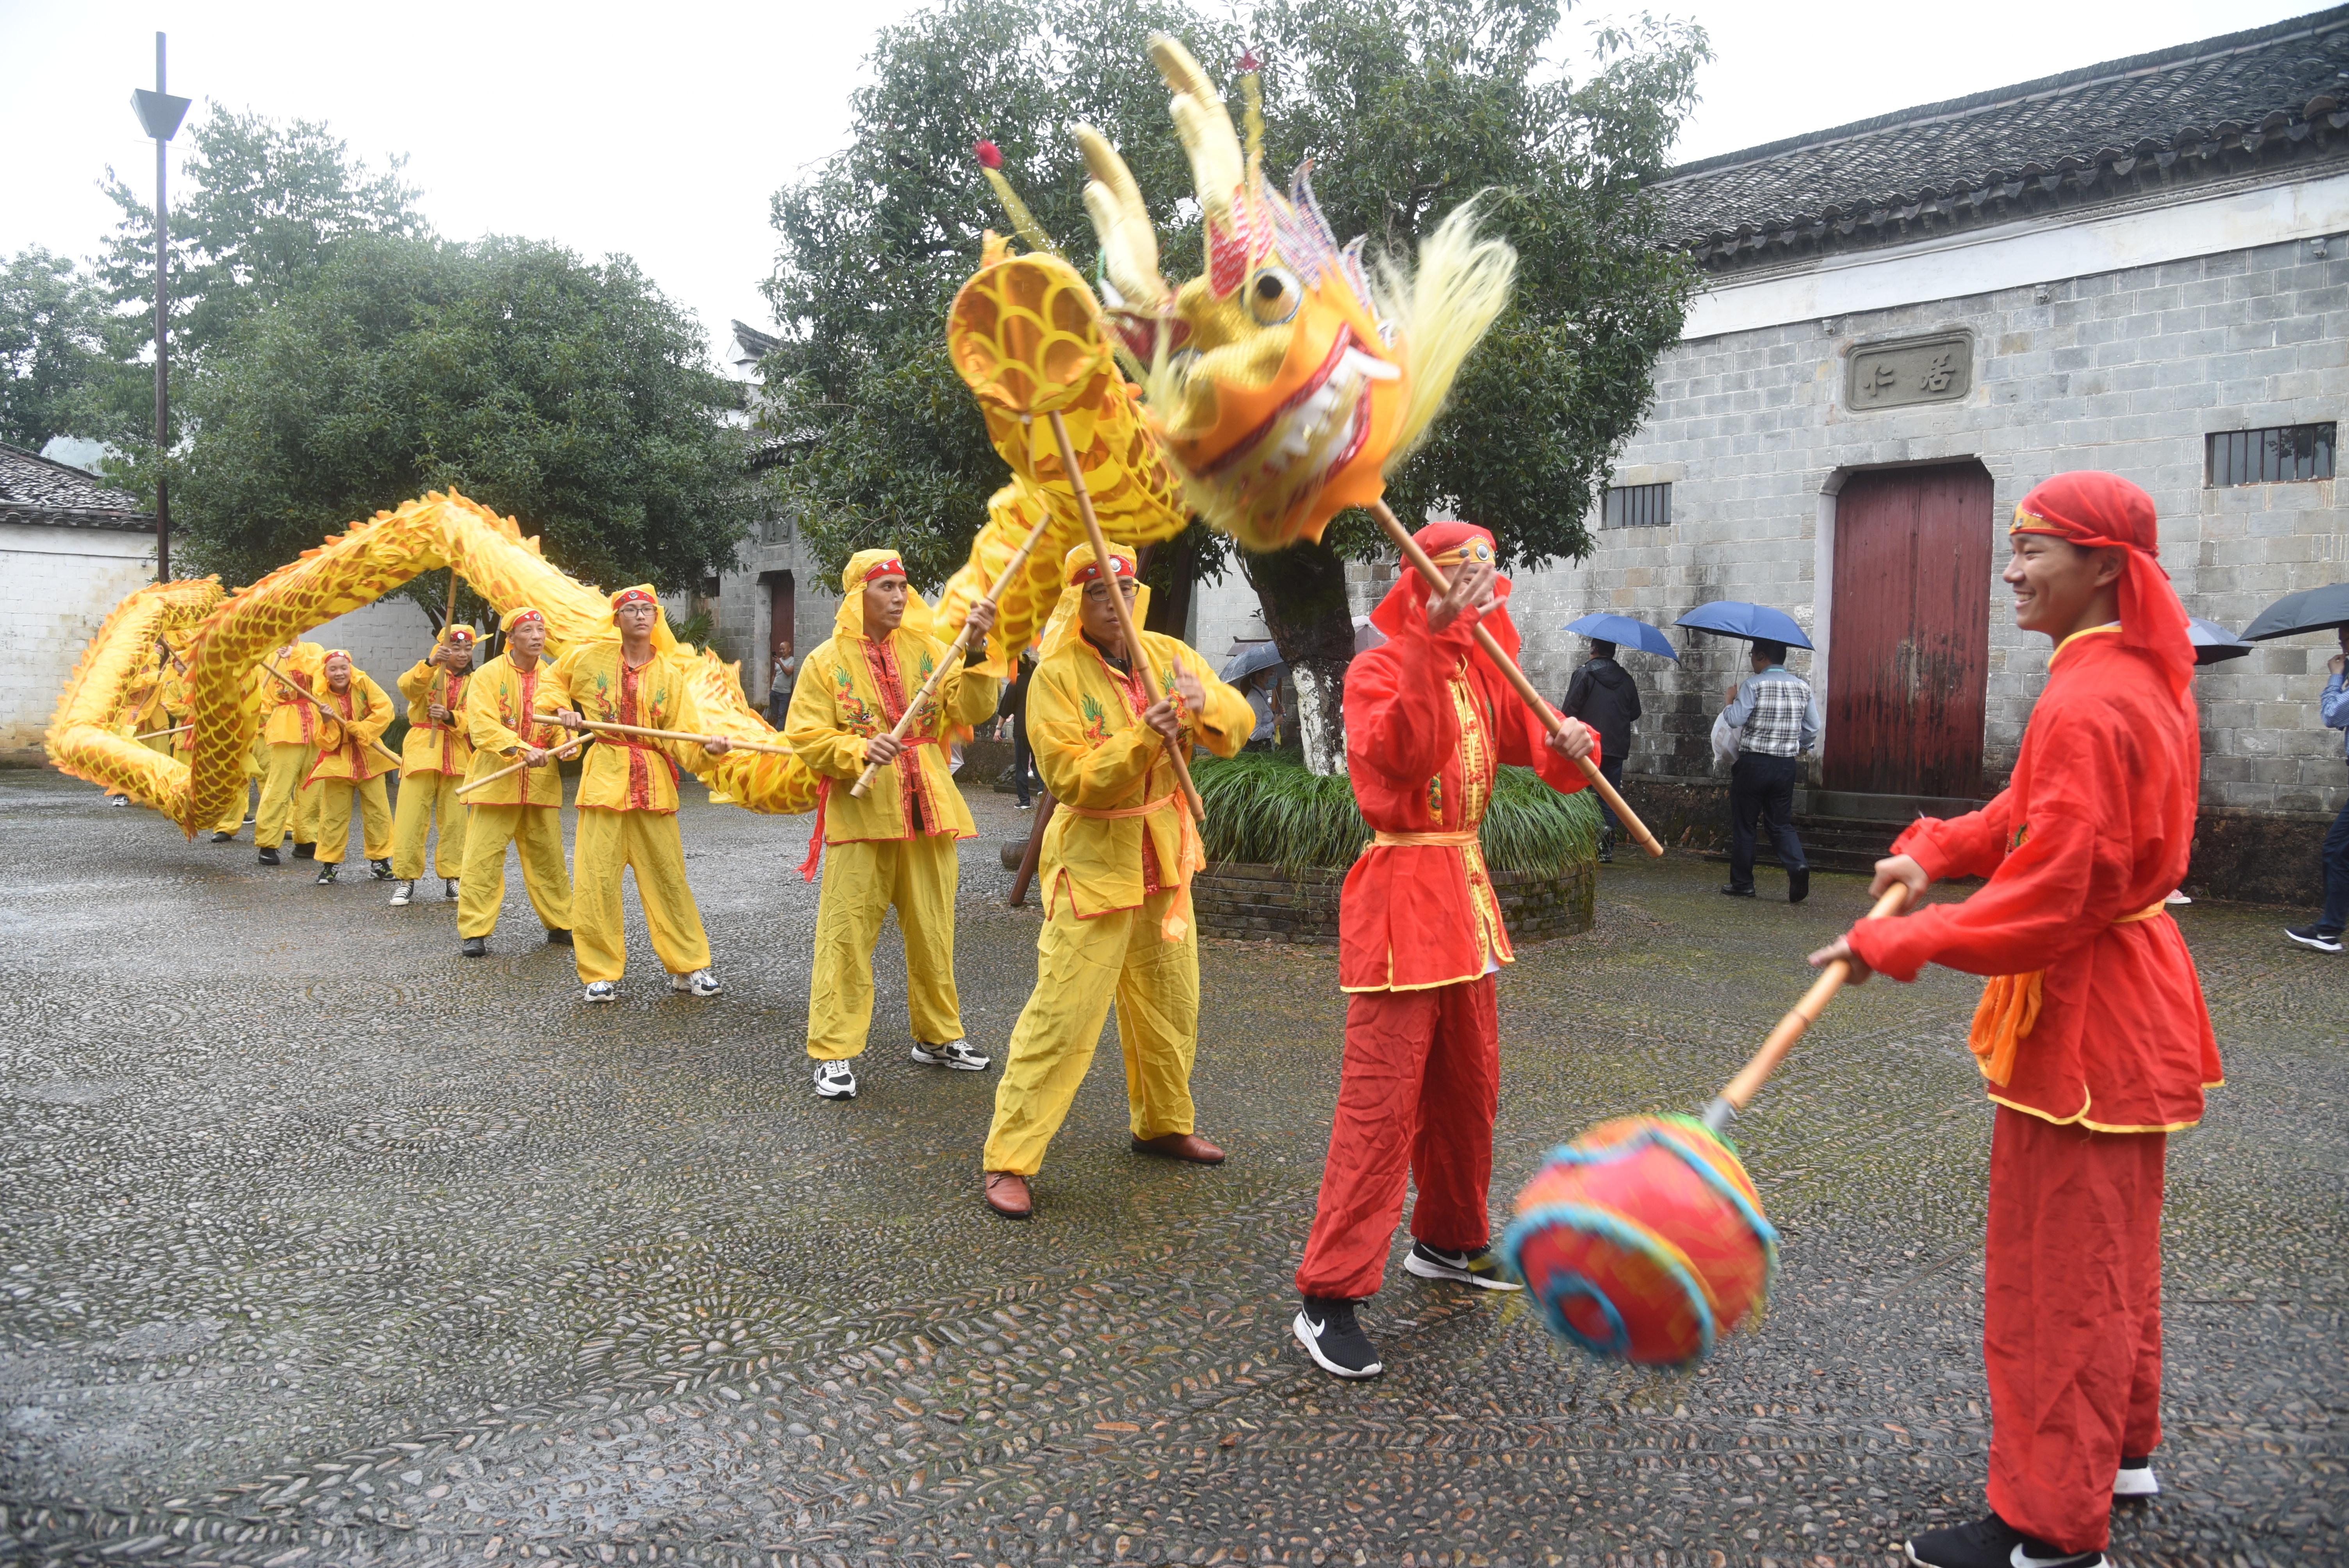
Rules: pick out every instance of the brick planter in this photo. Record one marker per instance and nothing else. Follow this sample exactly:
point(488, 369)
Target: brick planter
point(1265, 903)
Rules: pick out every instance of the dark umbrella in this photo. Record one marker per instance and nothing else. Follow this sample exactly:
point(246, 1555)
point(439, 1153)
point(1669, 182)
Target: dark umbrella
point(1733, 618)
point(2213, 643)
point(2310, 609)
point(1625, 631)
point(1247, 658)
point(1367, 637)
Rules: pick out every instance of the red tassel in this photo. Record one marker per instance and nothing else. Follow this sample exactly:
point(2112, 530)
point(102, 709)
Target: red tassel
point(988, 155)
point(815, 839)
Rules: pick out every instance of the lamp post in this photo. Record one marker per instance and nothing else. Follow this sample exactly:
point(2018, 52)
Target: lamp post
point(161, 113)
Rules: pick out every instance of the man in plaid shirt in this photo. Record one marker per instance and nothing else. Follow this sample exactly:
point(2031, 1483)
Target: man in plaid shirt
point(1777, 720)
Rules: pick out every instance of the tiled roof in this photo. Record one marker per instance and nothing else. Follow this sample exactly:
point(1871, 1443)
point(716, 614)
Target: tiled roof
point(33, 489)
point(2182, 116)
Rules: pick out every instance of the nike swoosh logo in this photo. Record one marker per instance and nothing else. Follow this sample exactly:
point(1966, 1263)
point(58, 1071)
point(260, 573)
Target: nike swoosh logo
point(1316, 1327)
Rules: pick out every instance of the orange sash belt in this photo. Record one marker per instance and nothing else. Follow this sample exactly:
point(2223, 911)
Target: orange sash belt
point(1122, 812)
point(1191, 855)
point(823, 802)
point(2010, 1007)
point(1447, 839)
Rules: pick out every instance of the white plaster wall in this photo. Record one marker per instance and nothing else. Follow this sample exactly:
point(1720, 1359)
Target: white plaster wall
point(62, 582)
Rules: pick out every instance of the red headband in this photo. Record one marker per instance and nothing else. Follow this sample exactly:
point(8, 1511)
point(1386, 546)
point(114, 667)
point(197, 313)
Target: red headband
point(892, 567)
point(633, 596)
point(2105, 512)
point(458, 634)
point(523, 618)
point(1091, 571)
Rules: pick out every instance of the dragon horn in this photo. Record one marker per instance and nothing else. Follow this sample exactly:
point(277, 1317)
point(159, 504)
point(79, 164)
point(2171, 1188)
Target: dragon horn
point(1129, 243)
point(1204, 126)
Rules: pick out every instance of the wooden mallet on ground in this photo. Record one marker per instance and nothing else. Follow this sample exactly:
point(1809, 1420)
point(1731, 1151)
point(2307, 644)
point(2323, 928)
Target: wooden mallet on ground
point(954, 650)
point(1134, 649)
point(1548, 716)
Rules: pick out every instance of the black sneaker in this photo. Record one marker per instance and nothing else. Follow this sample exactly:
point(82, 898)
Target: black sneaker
point(474, 947)
point(1336, 1342)
point(223, 838)
point(2314, 936)
point(268, 857)
point(1798, 885)
point(1992, 1542)
point(558, 936)
point(325, 873)
point(303, 851)
point(1737, 893)
point(1479, 1268)
point(2135, 1478)
point(379, 869)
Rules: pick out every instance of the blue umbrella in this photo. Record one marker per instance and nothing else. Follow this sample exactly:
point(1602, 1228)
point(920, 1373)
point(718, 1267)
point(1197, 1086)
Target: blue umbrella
point(1625, 633)
point(2212, 642)
point(1247, 658)
point(1733, 618)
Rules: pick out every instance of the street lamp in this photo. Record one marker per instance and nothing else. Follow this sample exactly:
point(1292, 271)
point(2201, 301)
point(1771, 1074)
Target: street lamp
point(161, 113)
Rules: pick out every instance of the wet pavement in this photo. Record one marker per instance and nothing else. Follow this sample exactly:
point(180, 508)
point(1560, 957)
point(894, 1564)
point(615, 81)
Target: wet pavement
point(323, 1245)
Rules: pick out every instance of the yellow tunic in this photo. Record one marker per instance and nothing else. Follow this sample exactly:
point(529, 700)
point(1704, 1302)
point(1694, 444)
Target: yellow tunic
point(499, 701)
point(354, 720)
point(626, 773)
point(292, 721)
point(524, 809)
point(432, 747)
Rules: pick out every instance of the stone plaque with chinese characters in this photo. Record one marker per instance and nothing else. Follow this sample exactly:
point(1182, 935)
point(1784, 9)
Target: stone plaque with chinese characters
point(1938, 370)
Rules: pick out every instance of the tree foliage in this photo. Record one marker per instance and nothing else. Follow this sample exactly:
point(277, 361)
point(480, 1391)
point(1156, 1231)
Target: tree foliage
point(572, 396)
point(51, 344)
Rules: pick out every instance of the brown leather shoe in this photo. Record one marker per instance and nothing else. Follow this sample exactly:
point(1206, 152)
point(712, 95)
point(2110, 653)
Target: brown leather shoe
point(1007, 1194)
point(1188, 1146)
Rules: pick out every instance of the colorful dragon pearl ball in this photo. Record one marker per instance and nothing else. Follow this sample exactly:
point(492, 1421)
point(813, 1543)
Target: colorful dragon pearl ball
point(1642, 1241)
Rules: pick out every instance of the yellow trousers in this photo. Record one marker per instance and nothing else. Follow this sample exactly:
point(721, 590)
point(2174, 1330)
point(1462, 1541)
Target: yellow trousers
point(537, 832)
point(423, 798)
point(1080, 966)
point(861, 882)
point(648, 843)
point(285, 801)
point(335, 818)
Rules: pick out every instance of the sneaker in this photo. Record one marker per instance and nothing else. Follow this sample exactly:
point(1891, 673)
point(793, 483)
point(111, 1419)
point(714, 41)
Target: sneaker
point(2135, 1479)
point(602, 991)
point(448, 888)
point(956, 1053)
point(1336, 1342)
point(2178, 895)
point(701, 983)
point(325, 873)
point(379, 869)
point(558, 936)
point(479, 947)
point(1737, 893)
point(117, 799)
point(2314, 936)
point(1992, 1542)
point(1479, 1268)
point(268, 857)
point(223, 837)
point(403, 892)
point(303, 851)
point(834, 1081)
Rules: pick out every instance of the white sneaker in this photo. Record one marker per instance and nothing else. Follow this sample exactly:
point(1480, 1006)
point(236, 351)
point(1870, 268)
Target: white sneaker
point(701, 983)
point(448, 888)
point(602, 991)
point(2178, 895)
point(2135, 1480)
point(956, 1053)
point(401, 893)
point(834, 1081)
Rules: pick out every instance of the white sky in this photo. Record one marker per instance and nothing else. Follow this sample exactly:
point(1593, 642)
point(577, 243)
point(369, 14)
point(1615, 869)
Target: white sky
point(661, 131)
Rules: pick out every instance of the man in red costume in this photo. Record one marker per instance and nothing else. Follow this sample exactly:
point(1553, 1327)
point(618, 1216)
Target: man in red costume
point(2092, 1032)
point(1428, 720)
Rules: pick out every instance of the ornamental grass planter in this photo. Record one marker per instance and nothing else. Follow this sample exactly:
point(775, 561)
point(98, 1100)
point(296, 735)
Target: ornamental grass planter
point(1279, 841)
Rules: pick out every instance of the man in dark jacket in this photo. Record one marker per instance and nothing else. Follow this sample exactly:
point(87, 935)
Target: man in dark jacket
point(1601, 694)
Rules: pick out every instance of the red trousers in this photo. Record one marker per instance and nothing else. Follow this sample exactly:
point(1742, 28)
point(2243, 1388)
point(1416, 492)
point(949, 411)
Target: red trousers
point(1416, 1098)
point(2070, 1321)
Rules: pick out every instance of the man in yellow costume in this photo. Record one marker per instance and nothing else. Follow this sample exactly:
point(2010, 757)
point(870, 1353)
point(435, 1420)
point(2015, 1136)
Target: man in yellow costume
point(895, 846)
point(290, 730)
point(146, 708)
point(1116, 869)
point(352, 763)
point(627, 798)
point(432, 761)
point(524, 809)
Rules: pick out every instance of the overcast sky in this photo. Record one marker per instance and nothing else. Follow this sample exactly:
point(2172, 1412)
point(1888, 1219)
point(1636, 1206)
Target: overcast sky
point(660, 131)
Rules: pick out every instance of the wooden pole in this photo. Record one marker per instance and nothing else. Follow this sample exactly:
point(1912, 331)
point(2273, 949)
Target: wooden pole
point(1740, 1089)
point(955, 652)
point(731, 743)
point(1548, 716)
point(1133, 648)
point(306, 695)
point(554, 754)
point(1045, 807)
point(159, 734)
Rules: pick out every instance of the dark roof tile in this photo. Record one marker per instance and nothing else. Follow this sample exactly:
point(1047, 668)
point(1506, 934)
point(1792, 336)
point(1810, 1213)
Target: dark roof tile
point(33, 489)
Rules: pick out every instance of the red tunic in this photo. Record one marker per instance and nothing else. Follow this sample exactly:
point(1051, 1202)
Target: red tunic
point(2095, 826)
point(1428, 719)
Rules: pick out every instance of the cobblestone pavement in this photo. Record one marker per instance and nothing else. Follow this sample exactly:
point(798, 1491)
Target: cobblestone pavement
point(324, 1246)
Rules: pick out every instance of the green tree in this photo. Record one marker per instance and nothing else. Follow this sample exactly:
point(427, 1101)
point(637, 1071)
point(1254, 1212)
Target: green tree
point(572, 395)
point(51, 344)
point(1407, 110)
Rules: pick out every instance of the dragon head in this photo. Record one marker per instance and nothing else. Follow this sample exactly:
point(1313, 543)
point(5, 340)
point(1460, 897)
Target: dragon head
point(1282, 384)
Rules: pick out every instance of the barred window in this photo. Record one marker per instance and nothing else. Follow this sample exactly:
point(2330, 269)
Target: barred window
point(2279, 454)
point(1650, 506)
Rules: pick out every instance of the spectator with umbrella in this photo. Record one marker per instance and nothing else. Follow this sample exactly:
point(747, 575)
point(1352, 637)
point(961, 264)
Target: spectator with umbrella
point(1603, 696)
point(1777, 718)
point(1255, 669)
point(2323, 609)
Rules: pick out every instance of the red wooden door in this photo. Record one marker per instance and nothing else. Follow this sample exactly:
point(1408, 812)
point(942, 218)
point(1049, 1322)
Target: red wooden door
point(1909, 646)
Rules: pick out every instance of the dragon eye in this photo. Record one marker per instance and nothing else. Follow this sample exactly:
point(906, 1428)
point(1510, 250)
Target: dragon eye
point(1273, 295)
